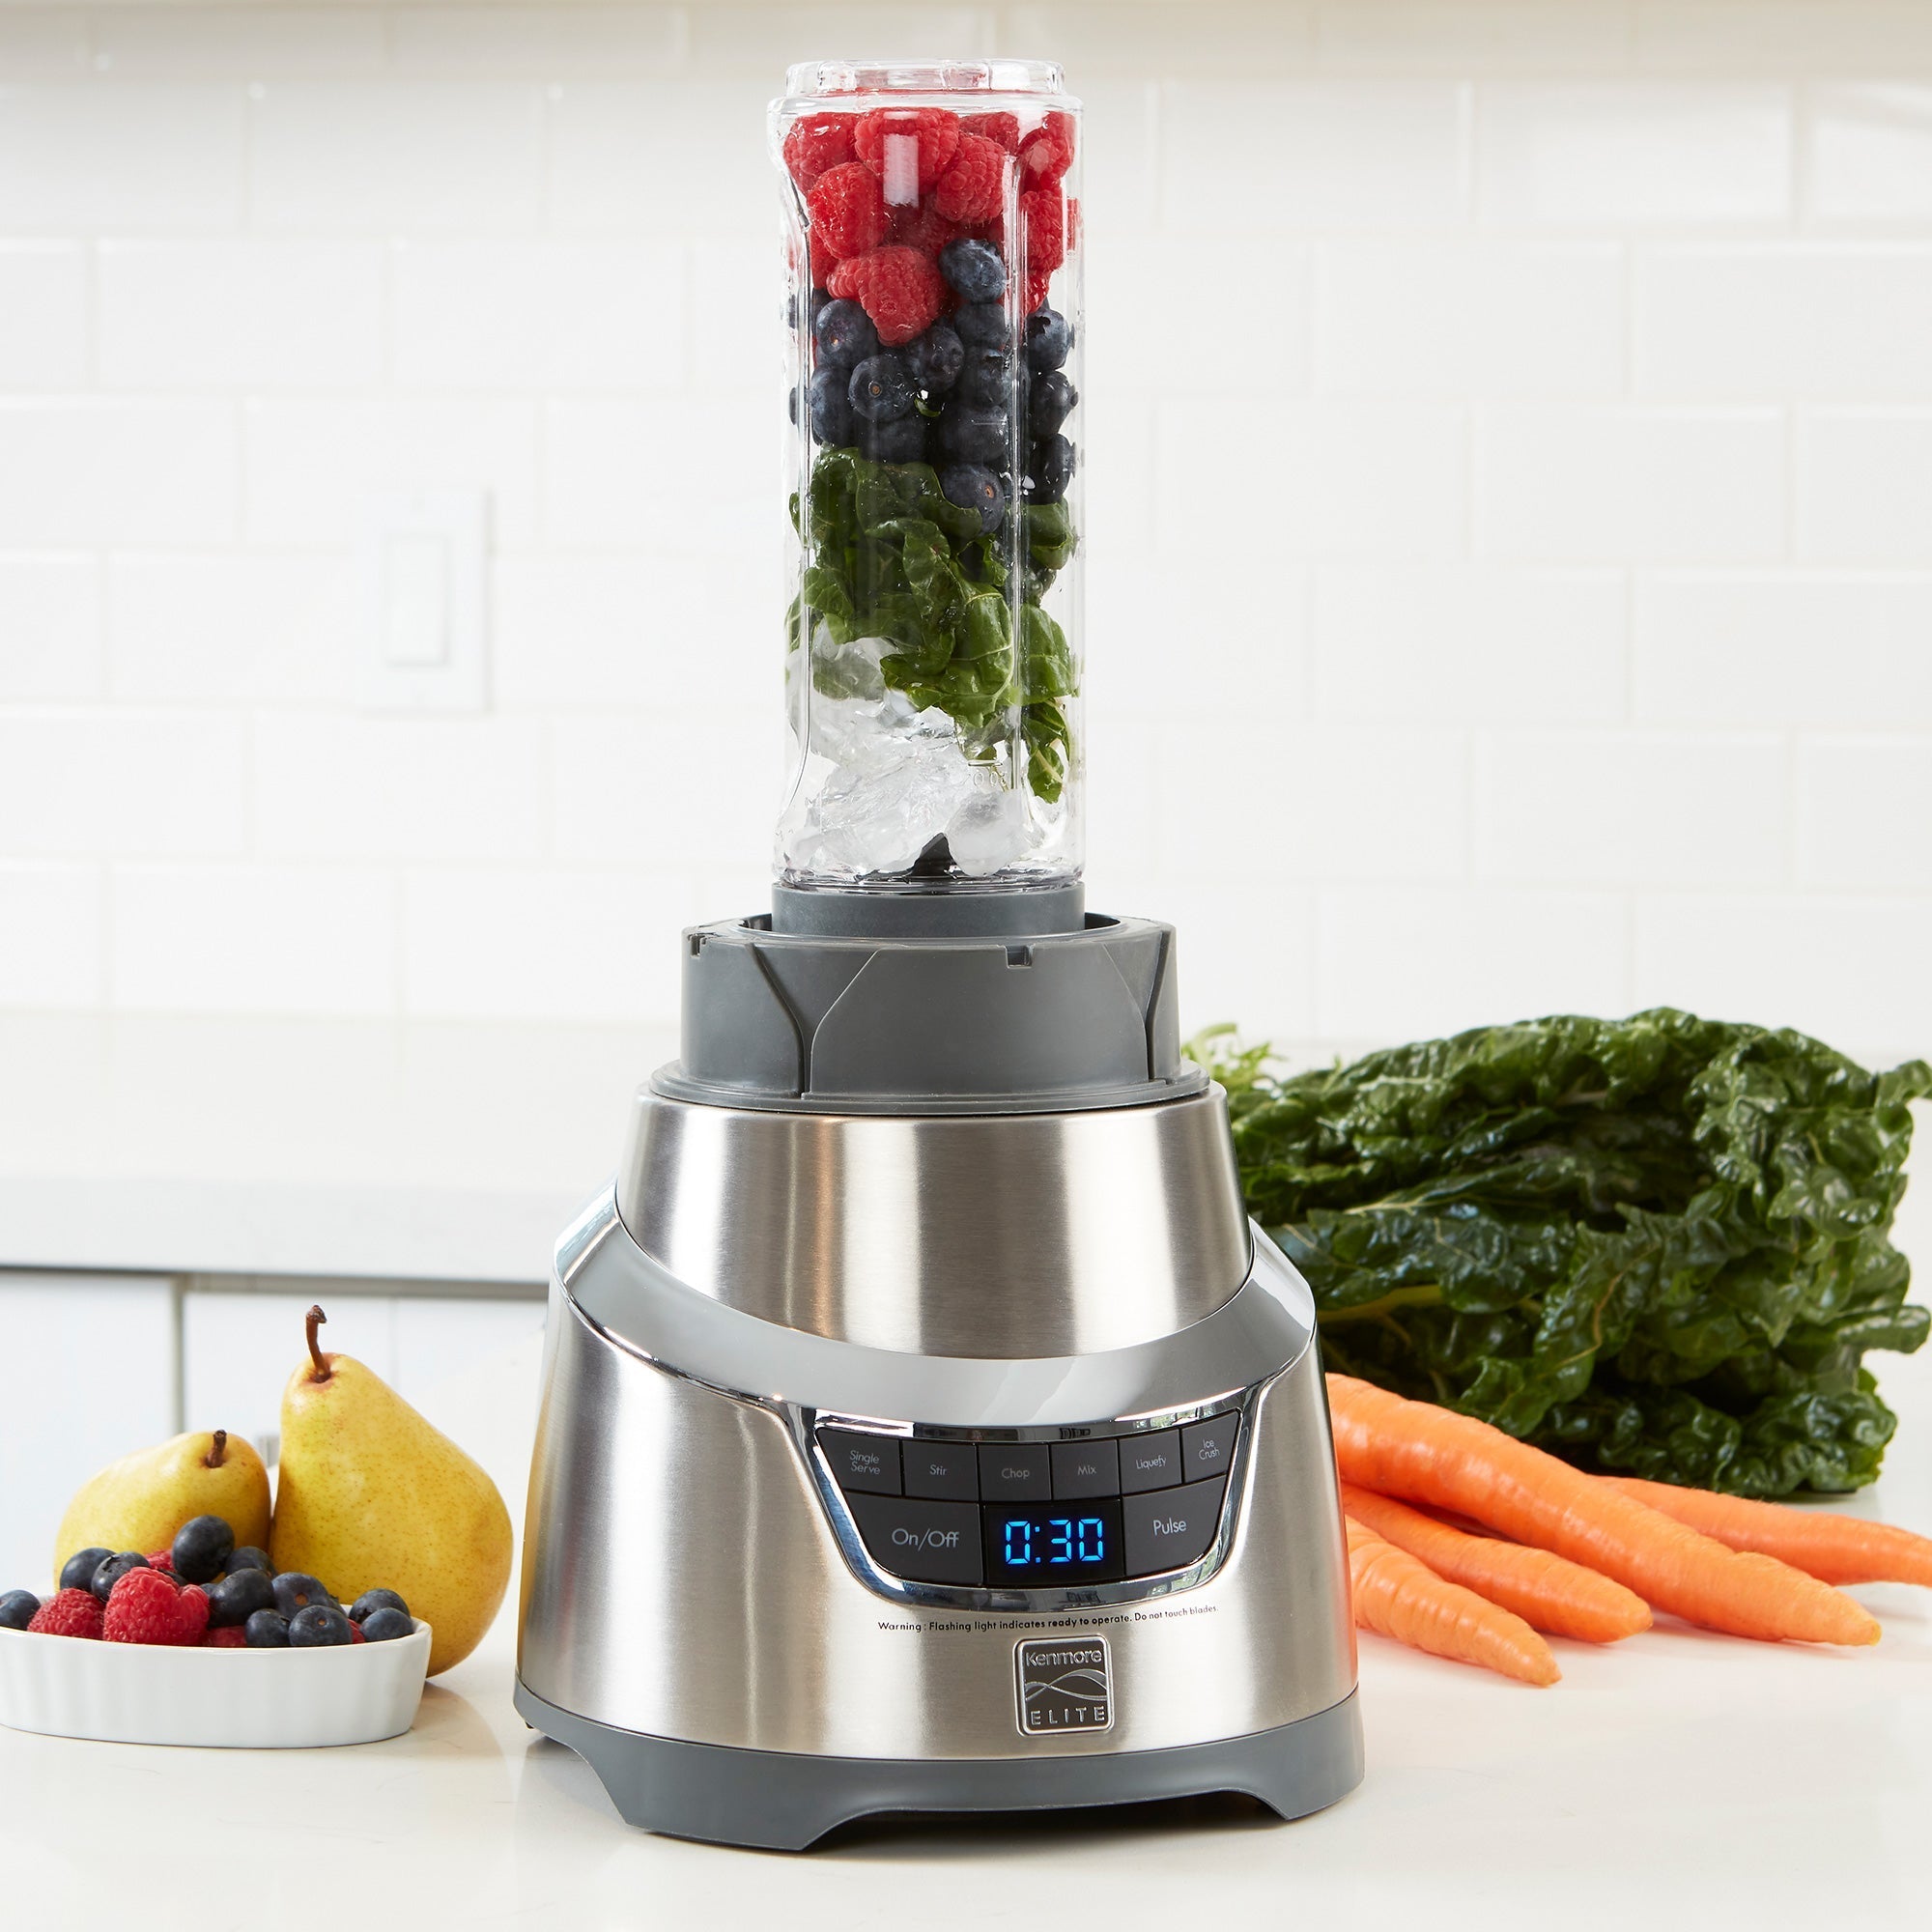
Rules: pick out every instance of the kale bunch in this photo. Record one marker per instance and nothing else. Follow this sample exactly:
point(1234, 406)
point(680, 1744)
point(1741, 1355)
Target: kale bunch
point(1658, 1245)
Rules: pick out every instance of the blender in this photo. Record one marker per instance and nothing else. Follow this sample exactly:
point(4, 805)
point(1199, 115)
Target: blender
point(925, 1426)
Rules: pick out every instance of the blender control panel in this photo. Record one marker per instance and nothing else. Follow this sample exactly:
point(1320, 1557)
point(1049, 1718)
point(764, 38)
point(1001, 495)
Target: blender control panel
point(1099, 1509)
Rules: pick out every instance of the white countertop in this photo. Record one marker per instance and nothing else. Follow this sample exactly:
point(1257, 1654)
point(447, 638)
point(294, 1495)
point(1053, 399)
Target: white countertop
point(1678, 1778)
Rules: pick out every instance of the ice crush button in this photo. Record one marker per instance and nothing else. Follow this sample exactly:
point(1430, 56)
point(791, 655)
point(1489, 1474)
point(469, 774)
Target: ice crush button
point(867, 1462)
point(925, 1543)
point(1208, 1448)
point(1150, 1462)
point(1174, 1528)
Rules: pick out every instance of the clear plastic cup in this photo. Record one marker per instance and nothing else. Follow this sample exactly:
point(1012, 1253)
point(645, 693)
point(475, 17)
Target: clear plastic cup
point(933, 330)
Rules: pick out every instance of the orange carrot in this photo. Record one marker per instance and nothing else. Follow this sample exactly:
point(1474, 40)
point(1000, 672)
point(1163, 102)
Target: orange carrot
point(1433, 1455)
point(1548, 1593)
point(1834, 1547)
point(1406, 1600)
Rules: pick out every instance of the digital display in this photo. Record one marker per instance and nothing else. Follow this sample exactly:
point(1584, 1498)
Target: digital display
point(1054, 1545)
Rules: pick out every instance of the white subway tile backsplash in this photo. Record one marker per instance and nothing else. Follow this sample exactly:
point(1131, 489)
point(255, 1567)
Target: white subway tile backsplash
point(1604, 152)
point(37, 43)
point(764, 40)
point(1555, 485)
point(395, 156)
point(376, 788)
point(1870, 153)
point(1452, 319)
point(1422, 961)
point(252, 938)
point(1489, 36)
point(737, 294)
point(1817, 651)
point(82, 471)
point(1854, 37)
point(128, 157)
point(543, 43)
point(239, 315)
point(621, 783)
point(544, 314)
point(1621, 809)
point(1248, 157)
point(51, 936)
point(1219, 36)
point(1755, 321)
point(1246, 957)
point(1864, 813)
point(50, 628)
point(87, 783)
point(1273, 287)
point(313, 464)
point(1864, 487)
point(1461, 645)
point(187, 42)
point(44, 324)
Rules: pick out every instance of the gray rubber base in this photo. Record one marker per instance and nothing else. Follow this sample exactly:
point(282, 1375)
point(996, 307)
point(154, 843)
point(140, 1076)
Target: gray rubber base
point(779, 1801)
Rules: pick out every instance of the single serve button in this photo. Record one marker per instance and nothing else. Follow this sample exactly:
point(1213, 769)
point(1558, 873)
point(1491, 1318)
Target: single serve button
point(862, 1461)
point(1171, 1528)
point(925, 1543)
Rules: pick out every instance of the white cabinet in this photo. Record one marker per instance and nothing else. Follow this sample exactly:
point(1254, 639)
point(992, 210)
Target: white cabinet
point(91, 1373)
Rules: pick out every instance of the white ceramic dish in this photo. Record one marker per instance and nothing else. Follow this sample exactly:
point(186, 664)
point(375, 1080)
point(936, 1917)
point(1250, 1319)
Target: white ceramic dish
point(140, 1693)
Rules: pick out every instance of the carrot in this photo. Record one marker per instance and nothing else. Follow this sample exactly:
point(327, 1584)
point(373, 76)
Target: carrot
point(1433, 1455)
point(1834, 1547)
point(1546, 1592)
point(1404, 1599)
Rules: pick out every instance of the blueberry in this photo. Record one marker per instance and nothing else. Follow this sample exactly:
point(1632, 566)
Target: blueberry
point(902, 440)
point(248, 1557)
point(239, 1596)
point(110, 1570)
point(988, 375)
point(975, 271)
point(319, 1627)
point(982, 325)
point(370, 1601)
point(1049, 402)
point(17, 1608)
point(1049, 338)
point(880, 390)
point(831, 416)
point(77, 1571)
point(295, 1591)
point(974, 488)
point(1052, 469)
point(972, 433)
point(934, 357)
point(267, 1630)
point(385, 1625)
point(201, 1548)
point(845, 334)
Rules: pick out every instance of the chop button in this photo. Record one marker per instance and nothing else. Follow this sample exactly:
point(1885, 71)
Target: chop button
point(1171, 1528)
point(925, 1543)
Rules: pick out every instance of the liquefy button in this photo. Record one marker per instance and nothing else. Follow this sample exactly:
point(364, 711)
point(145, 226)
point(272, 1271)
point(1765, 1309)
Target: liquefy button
point(1150, 1462)
point(1173, 1527)
point(925, 1543)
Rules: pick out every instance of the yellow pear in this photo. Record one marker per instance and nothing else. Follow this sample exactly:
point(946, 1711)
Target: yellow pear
point(370, 1496)
point(140, 1501)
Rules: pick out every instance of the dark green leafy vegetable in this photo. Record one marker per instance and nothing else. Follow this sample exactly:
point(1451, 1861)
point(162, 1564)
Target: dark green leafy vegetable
point(893, 558)
point(1659, 1246)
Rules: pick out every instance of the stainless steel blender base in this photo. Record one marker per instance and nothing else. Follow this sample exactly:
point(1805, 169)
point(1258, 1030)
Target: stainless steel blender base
point(778, 1801)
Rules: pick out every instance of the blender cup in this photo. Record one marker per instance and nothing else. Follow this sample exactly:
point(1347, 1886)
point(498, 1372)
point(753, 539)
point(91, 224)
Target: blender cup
point(933, 324)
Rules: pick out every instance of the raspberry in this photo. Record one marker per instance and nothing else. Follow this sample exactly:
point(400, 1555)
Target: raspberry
point(1002, 129)
point(936, 131)
point(897, 288)
point(821, 259)
point(1034, 292)
point(163, 1559)
point(146, 1608)
point(355, 1633)
point(848, 210)
point(922, 227)
point(229, 1637)
point(1047, 153)
point(70, 1613)
point(970, 189)
point(815, 143)
point(1043, 228)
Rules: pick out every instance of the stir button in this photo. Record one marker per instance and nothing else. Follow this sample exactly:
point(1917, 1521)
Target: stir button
point(925, 1543)
point(941, 1469)
point(869, 1463)
point(1208, 1448)
point(1172, 1529)
point(1150, 1462)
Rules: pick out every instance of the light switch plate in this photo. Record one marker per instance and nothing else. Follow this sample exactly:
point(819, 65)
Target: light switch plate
point(425, 635)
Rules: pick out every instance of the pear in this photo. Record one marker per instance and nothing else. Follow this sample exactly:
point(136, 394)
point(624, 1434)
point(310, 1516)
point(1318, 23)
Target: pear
point(372, 1496)
point(140, 1501)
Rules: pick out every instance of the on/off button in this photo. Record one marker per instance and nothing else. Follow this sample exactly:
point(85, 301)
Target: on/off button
point(925, 1543)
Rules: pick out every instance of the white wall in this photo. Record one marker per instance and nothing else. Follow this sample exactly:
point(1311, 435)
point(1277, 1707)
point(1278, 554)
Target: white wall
point(1510, 444)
